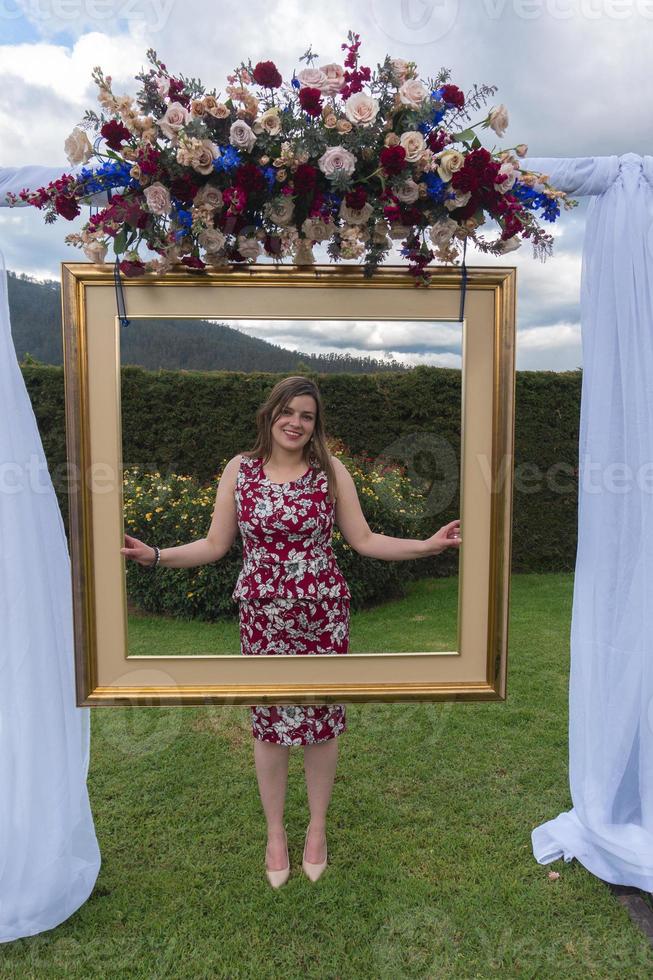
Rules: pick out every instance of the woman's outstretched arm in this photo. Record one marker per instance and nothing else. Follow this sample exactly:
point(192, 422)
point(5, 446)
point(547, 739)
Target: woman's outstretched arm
point(216, 544)
point(357, 533)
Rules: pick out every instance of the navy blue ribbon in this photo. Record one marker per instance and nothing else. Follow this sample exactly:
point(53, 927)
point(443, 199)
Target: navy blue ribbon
point(463, 285)
point(120, 298)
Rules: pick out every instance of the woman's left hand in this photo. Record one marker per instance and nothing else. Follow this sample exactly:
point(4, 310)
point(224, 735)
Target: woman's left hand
point(448, 536)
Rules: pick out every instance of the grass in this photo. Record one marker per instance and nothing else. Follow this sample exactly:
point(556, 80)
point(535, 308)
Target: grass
point(431, 871)
point(430, 607)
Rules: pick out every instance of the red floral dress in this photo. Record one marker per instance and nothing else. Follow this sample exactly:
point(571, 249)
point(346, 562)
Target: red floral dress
point(293, 598)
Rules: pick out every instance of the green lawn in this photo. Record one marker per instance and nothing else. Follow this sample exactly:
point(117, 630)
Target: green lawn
point(431, 871)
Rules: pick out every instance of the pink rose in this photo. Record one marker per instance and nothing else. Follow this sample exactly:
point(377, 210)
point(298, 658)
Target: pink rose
point(335, 75)
point(158, 198)
point(412, 93)
point(337, 158)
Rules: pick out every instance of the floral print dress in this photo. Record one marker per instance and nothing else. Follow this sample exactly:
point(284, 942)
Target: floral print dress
point(293, 598)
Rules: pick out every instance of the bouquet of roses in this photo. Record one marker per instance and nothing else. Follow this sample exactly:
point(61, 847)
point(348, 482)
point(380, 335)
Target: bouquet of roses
point(338, 155)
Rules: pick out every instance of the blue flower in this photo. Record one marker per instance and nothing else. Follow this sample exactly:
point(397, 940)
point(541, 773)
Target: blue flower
point(533, 200)
point(230, 158)
point(110, 173)
point(183, 218)
point(437, 116)
point(435, 186)
point(270, 175)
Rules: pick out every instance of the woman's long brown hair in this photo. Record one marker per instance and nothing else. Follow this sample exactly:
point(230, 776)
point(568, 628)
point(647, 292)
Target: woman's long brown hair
point(267, 414)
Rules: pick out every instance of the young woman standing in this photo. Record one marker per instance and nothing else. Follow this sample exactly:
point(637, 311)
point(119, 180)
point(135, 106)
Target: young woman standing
point(284, 496)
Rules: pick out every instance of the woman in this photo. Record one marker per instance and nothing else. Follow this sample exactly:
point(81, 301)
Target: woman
point(283, 496)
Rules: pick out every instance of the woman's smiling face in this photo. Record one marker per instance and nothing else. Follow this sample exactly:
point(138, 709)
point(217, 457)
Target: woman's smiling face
point(296, 423)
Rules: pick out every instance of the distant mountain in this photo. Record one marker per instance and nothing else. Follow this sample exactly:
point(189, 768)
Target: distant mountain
point(192, 345)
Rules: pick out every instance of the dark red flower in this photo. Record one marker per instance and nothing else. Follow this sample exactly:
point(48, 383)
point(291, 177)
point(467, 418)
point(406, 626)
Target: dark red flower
point(393, 159)
point(356, 199)
point(235, 198)
point(66, 206)
point(310, 100)
point(452, 95)
point(130, 269)
point(272, 244)
point(304, 179)
point(437, 140)
point(147, 158)
point(266, 75)
point(115, 133)
point(184, 188)
point(177, 93)
point(249, 177)
point(193, 262)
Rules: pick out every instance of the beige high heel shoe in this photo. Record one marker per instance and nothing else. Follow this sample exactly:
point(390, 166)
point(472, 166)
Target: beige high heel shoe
point(312, 871)
point(279, 877)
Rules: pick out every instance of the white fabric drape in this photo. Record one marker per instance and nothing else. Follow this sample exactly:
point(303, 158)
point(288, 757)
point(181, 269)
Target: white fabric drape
point(49, 855)
point(610, 826)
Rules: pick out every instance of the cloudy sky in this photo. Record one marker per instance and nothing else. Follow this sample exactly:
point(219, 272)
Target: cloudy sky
point(569, 71)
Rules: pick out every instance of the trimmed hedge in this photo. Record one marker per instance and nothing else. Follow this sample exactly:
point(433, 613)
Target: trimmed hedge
point(187, 422)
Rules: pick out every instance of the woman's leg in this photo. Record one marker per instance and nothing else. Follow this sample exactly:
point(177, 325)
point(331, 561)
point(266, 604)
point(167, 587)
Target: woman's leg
point(271, 762)
point(320, 761)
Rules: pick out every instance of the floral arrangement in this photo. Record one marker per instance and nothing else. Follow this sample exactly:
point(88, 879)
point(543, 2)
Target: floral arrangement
point(338, 155)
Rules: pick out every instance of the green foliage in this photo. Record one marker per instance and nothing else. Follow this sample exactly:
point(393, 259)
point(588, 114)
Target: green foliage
point(174, 509)
point(185, 422)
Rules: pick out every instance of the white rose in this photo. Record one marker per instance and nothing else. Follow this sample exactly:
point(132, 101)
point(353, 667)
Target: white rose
point(280, 210)
point(399, 231)
point(399, 68)
point(458, 201)
point(506, 177)
point(361, 109)
point(412, 93)
point(353, 216)
point(408, 193)
point(441, 232)
point(314, 78)
point(208, 196)
point(510, 244)
point(175, 119)
point(162, 85)
point(498, 119)
point(205, 154)
point(317, 229)
point(269, 122)
point(241, 136)
point(337, 159)
point(158, 198)
point(77, 147)
point(335, 78)
point(303, 252)
point(380, 232)
point(249, 248)
point(95, 251)
point(448, 162)
point(211, 239)
point(414, 145)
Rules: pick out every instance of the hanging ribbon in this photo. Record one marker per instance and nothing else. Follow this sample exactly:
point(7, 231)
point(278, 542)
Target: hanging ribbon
point(120, 298)
point(463, 284)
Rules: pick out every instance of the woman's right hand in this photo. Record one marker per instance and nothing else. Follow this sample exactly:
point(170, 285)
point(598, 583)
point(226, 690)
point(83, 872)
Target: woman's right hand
point(138, 551)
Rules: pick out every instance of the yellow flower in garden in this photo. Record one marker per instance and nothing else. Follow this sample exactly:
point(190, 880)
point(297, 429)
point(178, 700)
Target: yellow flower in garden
point(157, 509)
point(189, 594)
point(148, 517)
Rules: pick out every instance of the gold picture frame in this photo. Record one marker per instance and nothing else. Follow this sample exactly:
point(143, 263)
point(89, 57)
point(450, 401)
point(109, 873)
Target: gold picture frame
point(476, 670)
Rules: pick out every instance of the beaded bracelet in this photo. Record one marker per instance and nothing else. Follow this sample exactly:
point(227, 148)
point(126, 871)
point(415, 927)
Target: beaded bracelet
point(155, 561)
